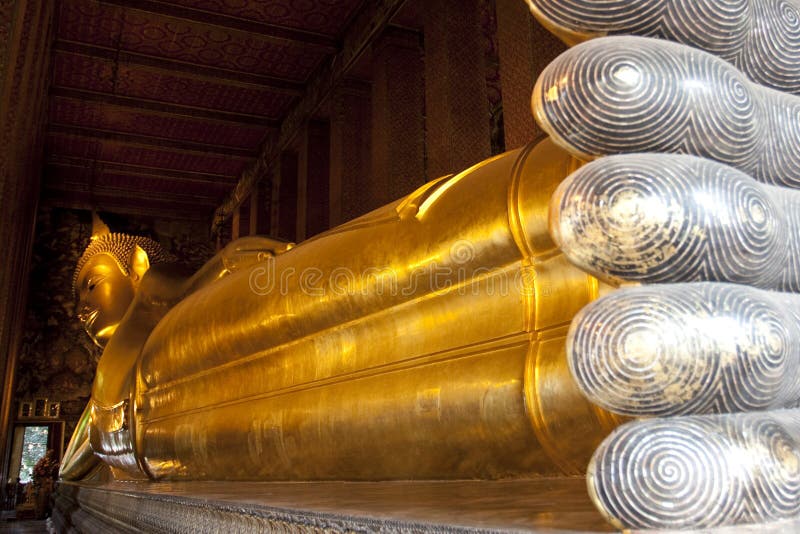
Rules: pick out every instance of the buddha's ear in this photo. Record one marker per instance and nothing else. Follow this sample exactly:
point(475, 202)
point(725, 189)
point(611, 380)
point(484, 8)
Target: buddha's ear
point(140, 263)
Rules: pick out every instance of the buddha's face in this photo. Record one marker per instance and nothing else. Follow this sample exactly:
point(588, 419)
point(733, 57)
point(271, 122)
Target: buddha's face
point(104, 294)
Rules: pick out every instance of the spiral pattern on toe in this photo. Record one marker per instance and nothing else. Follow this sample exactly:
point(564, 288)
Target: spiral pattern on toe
point(642, 467)
point(699, 472)
point(760, 37)
point(669, 218)
point(605, 102)
point(688, 348)
point(791, 272)
point(774, 494)
point(771, 51)
point(632, 94)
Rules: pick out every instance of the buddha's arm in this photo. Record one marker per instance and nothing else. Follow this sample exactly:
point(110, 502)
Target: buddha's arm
point(79, 459)
point(239, 254)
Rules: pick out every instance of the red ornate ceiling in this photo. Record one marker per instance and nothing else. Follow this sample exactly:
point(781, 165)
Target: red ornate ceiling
point(321, 16)
point(156, 106)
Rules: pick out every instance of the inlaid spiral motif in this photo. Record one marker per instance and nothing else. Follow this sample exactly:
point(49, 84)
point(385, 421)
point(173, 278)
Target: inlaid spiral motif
point(699, 472)
point(671, 218)
point(791, 281)
point(688, 348)
point(632, 94)
point(760, 37)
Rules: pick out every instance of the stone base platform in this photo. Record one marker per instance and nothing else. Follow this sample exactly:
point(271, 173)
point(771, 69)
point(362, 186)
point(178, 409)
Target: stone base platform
point(542, 505)
point(553, 505)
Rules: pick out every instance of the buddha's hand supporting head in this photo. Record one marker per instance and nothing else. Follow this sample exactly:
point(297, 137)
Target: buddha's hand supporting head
point(106, 279)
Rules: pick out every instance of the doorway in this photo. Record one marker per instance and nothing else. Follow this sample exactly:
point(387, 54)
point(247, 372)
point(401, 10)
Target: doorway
point(30, 442)
point(32, 449)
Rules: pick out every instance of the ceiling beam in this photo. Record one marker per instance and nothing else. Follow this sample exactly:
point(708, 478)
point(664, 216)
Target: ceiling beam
point(149, 141)
point(368, 24)
point(58, 199)
point(172, 175)
point(162, 107)
point(191, 70)
point(200, 121)
point(272, 32)
point(121, 193)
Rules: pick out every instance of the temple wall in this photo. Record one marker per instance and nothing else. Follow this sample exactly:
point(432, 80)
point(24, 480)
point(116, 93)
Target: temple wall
point(25, 39)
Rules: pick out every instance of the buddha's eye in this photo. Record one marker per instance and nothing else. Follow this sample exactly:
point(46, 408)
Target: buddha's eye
point(93, 281)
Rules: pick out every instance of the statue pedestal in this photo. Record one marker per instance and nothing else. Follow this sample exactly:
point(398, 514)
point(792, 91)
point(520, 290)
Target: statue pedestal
point(460, 506)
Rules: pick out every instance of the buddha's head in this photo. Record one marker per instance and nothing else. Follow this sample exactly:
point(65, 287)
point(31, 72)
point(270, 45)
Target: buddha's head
point(107, 276)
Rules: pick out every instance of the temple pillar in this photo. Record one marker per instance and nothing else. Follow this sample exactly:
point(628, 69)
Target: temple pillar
point(314, 171)
point(318, 193)
point(525, 49)
point(254, 214)
point(457, 114)
point(274, 201)
point(225, 232)
point(285, 203)
point(301, 180)
point(398, 126)
point(264, 208)
point(26, 30)
point(350, 143)
point(244, 217)
point(236, 223)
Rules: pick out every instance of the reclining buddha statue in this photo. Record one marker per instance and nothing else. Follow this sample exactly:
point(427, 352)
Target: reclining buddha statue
point(501, 322)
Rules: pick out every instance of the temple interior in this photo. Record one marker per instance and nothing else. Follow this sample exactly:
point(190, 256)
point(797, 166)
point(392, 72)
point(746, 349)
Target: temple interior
point(196, 122)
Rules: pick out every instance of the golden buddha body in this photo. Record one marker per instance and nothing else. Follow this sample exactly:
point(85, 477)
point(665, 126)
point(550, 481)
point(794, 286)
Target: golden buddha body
point(422, 340)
